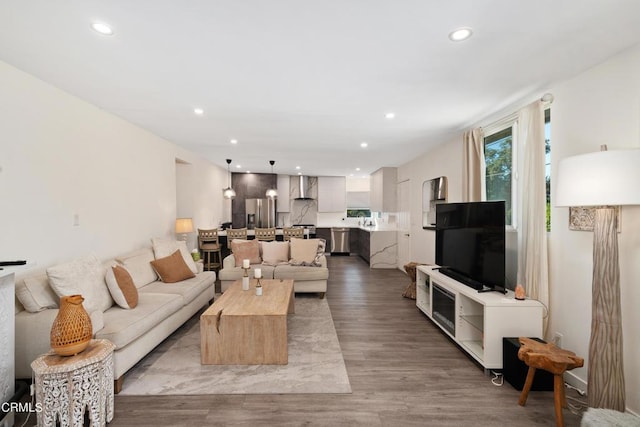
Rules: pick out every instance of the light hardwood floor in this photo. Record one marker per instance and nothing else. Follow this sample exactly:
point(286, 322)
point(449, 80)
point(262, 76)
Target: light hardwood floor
point(403, 372)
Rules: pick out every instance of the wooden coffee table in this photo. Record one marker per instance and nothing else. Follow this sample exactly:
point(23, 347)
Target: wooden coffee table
point(241, 328)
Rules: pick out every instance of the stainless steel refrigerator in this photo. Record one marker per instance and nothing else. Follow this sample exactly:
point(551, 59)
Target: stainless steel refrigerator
point(261, 213)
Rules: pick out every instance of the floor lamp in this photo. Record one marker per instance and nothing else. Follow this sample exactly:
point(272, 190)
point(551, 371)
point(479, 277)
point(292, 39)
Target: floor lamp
point(603, 180)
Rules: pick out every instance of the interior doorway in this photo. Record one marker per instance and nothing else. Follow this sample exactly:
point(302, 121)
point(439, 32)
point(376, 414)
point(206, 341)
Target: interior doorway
point(404, 223)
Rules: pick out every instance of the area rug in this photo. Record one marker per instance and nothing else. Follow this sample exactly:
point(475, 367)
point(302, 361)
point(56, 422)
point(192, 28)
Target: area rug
point(315, 362)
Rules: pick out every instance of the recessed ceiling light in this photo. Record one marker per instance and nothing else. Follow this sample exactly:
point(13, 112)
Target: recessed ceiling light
point(248, 171)
point(297, 167)
point(238, 166)
point(198, 111)
point(350, 174)
point(358, 169)
point(102, 28)
point(390, 115)
point(460, 34)
point(364, 145)
point(234, 141)
point(299, 173)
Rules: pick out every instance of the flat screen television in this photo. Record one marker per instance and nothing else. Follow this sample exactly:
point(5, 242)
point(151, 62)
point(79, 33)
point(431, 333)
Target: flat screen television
point(470, 243)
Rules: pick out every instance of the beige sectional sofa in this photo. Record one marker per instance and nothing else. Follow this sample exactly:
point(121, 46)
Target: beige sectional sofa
point(308, 276)
point(161, 308)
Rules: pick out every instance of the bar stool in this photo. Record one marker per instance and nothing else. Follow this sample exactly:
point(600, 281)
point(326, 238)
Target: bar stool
point(236, 233)
point(266, 234)
point(552, 359)
point(288, 233)
point(210, 247)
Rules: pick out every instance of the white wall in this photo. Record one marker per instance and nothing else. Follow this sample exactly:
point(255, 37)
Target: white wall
point(601, 105)
point(60, 157)
point(443, 160)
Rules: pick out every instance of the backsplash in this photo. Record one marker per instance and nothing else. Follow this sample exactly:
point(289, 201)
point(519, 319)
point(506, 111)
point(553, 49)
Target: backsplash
point(304, 211)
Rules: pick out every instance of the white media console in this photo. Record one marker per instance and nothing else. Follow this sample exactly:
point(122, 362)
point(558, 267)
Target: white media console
point(476, 321)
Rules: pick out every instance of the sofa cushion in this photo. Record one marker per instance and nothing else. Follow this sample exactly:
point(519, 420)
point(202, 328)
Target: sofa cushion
point(138, 264)
point(164, 247)
point(121, 287)
point(189, 289)
point(274, 253)
point(124, 326)
point(305, 251)
point(172, 268)
point(84, 276)
point(249, 249)
point(300, 273)
point(235, 273)
point(35, 293)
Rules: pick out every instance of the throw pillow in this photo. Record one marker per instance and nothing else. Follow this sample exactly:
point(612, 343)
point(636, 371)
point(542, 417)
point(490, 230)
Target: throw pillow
point(121, 286)
point(304, 251)
point(138, 264)
point(249, 249)
point(35, 294)
point(162, 248)
point(274, 253)
point(84, 276)
point(172, 269)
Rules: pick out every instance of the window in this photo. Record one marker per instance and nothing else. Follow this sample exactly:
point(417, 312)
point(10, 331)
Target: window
point(498, 154)
point(355, 213)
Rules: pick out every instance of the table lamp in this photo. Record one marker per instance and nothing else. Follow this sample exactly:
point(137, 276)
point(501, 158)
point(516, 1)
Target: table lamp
point(603, 180)
point(184, 226)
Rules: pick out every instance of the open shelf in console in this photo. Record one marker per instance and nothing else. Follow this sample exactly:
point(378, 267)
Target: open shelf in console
point(481, 320)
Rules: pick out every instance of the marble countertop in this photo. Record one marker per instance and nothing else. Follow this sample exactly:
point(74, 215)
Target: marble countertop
point(370, 228)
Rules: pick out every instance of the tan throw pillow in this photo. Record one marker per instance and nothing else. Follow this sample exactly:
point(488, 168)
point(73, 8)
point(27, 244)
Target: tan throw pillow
point(304, 251)
point(164, 247)
point(121, 286)
point(249, 249)
point(172, 269)
point(274, 253)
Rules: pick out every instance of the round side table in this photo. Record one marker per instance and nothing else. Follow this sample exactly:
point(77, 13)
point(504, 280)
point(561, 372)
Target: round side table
point(65, 386)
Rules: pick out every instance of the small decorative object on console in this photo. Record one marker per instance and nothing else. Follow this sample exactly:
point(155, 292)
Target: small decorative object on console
point(520, 294)
point(245, 276)
point(71, 330)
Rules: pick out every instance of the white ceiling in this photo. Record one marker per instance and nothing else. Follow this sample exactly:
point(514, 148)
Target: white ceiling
point(304, 82)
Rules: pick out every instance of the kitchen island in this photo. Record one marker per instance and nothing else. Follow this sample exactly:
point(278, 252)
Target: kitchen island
point(376, 245)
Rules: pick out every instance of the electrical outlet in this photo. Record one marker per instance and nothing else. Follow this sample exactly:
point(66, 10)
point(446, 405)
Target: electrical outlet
point(557, 339)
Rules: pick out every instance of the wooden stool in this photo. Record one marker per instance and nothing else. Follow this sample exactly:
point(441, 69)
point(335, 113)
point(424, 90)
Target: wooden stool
point(553, 359)
point(210, 247)
point(410, 290)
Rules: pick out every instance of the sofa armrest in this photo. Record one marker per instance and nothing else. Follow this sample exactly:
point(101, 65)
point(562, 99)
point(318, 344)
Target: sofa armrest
point(323, 261)
point(229, 261)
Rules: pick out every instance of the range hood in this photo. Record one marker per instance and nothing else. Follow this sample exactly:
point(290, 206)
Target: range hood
point(304, 188)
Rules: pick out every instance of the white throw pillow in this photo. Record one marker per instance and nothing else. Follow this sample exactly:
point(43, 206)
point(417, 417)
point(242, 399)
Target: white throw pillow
point(274, 253)
point(303, 251)
point(35, 294)
point(84, 276)
point(138, 264)
point(163, 248)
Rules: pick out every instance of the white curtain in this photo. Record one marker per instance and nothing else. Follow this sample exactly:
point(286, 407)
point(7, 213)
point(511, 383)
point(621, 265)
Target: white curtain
point(474, 187)
point(533, 267)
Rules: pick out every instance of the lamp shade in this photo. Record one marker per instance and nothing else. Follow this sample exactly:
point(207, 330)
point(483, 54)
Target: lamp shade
point(184, 225)
point(599, 178)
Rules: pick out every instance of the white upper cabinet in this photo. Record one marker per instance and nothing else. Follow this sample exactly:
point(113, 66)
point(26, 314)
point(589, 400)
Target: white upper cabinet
point(332, 194)
point(383, 190)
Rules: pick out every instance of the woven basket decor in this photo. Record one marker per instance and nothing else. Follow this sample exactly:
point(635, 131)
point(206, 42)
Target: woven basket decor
point(71, 330)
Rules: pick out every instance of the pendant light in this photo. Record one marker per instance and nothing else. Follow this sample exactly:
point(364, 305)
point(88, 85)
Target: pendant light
point(228, 192)
point(272, 193)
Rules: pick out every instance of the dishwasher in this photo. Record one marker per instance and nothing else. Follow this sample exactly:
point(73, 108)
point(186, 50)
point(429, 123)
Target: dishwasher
point(340, 241)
